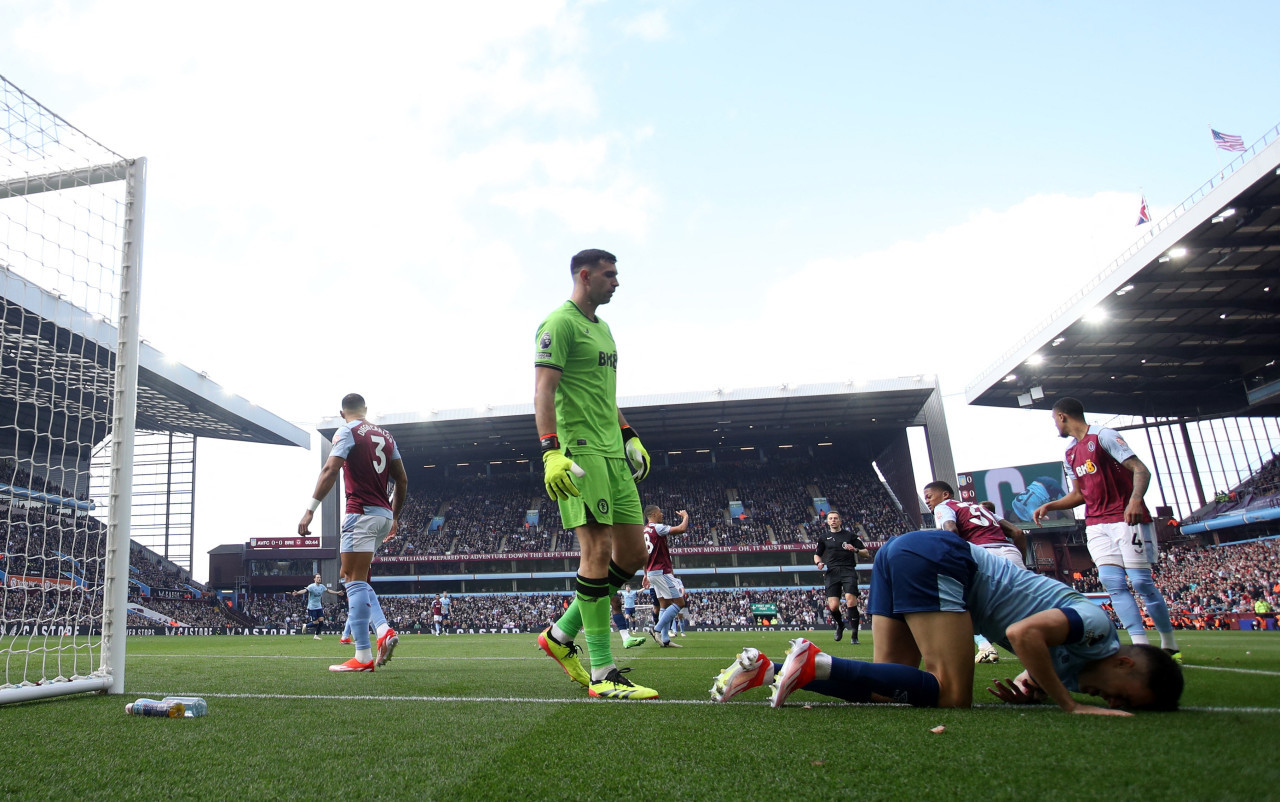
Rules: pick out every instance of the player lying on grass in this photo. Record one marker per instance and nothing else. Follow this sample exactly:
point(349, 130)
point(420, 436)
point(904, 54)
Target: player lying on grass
point(930, 590)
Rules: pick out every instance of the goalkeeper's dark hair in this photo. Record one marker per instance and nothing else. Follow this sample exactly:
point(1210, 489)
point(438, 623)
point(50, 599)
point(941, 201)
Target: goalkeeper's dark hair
point(941, 485)
point(590, 258)
point(1164, 678)
point(1071, 407)
point(353, 402)
point(650, 510)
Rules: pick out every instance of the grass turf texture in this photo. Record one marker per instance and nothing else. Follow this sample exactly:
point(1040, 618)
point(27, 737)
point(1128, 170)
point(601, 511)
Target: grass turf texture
point(420, 728)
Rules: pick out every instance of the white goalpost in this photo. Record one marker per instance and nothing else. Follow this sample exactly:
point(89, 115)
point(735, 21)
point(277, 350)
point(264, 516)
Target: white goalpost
point(71, 222)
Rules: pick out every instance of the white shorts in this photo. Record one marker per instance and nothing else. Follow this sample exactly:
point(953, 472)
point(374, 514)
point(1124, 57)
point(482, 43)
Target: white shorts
point(667, 585)
point(1009, 552)
point(1122, 545)
point(437, 618)
point(363, 532)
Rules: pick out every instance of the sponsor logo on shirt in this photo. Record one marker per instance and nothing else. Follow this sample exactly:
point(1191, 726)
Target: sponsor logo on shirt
point(609, 360)
point(1087, 468)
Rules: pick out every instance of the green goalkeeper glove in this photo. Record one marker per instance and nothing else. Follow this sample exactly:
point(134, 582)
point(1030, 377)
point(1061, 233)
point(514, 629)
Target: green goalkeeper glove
point(557, 468)
point(637, 456)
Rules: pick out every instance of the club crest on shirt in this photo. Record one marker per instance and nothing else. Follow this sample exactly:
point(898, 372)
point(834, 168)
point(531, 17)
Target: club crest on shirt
point(1093, 446)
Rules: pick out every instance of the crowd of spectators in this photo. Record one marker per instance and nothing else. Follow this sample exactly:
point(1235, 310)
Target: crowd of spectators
point(489, 515)
point(11, 473)
point(203, 612)
point(531, 612)
point(50, 606)
point(1198, 580)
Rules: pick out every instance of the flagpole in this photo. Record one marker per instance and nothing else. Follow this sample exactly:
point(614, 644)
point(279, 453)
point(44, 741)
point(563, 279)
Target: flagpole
point(1222, 168)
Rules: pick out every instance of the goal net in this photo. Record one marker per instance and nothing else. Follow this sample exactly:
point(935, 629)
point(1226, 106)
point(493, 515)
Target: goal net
point(70, 244)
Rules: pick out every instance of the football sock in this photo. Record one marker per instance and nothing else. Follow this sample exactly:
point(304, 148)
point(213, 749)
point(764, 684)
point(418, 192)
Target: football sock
point(346, 629)
point(620, 621)
point(358, 614)
point(618, 577)
point(1153, 600)
point(1122, 601)
point(856, 681)
point(853, 623)
point(567, 627)
point(664, 622)
point(364, 655)
point(982, 643)
point(593, 601)
point(377, 618)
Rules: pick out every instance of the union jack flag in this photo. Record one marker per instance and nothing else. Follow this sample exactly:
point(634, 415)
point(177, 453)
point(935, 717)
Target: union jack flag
point(1144, 214)
point(1227, 141)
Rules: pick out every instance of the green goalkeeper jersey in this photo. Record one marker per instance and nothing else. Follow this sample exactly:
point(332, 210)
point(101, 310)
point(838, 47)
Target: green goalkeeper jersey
point(586, 398)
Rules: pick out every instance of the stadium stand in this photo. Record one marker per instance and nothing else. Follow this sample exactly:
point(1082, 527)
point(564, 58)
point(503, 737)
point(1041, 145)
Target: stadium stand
point(42, 582)
point(1199, 581)
point(489, 515)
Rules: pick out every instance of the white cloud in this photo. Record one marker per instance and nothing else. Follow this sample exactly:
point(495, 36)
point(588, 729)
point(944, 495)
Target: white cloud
point(624, 206)
point(650, 26)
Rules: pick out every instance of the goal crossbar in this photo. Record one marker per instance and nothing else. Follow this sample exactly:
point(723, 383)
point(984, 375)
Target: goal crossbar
point(64, 179)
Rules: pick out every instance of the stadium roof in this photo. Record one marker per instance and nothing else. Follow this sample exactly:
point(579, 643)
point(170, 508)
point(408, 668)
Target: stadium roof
point(847, 413)
point(1185, 323)
point(55, 352)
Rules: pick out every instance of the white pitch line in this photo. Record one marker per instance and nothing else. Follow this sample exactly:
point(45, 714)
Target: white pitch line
point(398, 657)
point(1237, 670)
point(589, 700)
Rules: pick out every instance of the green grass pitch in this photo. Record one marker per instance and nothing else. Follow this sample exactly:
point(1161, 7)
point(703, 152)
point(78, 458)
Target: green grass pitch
point(489, 717)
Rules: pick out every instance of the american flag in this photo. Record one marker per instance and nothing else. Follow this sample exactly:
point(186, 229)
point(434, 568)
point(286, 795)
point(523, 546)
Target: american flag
point(1227, 141)
point(1144, 216)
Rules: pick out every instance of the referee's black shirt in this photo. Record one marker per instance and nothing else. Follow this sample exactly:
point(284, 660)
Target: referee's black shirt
point(832, 552)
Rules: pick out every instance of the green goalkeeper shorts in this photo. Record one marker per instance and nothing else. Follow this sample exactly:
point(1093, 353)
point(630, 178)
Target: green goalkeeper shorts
point(608, 494)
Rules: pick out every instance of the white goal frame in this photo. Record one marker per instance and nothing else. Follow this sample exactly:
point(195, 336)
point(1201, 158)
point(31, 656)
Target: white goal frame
point(109, 676)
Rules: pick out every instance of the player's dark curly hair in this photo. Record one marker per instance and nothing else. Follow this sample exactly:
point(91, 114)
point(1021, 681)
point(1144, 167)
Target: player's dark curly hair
point(1164, 678)
point(940, 485)
point(1071, 407)
point(590, 258)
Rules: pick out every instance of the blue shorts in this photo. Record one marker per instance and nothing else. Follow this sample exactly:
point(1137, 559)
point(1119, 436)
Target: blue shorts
point(317, 613)
point(630, 611)
point(921, 572)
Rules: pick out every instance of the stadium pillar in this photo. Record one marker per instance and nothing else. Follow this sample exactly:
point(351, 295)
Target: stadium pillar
point(1191, 461)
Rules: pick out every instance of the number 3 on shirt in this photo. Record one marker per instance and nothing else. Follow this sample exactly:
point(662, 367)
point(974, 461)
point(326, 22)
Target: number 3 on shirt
point(380, 460)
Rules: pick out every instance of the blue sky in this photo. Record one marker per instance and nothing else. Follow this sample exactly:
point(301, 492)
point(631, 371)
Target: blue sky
point(811, 192)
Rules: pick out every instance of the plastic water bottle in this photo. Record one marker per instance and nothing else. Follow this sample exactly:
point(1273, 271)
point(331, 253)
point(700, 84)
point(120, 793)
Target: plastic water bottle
point(150, 707)
point(195, 706)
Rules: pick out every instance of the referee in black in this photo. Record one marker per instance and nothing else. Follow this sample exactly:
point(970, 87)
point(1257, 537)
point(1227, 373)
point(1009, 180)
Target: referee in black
point(837, 554)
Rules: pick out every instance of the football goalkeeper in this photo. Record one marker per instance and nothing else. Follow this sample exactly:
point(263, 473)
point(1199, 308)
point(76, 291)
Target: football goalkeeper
point(592, 461)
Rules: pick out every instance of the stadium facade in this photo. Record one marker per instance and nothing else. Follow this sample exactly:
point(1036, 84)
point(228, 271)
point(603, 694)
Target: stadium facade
point(827, 427)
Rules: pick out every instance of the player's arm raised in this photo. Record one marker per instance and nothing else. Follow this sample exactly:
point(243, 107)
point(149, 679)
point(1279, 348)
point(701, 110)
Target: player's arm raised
point(1070, 501)
point(683, 526)
point(328, 477)
point(1031, 638)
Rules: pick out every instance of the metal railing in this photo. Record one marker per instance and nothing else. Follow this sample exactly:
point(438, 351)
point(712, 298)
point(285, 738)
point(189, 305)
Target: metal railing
point(1149, 234)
